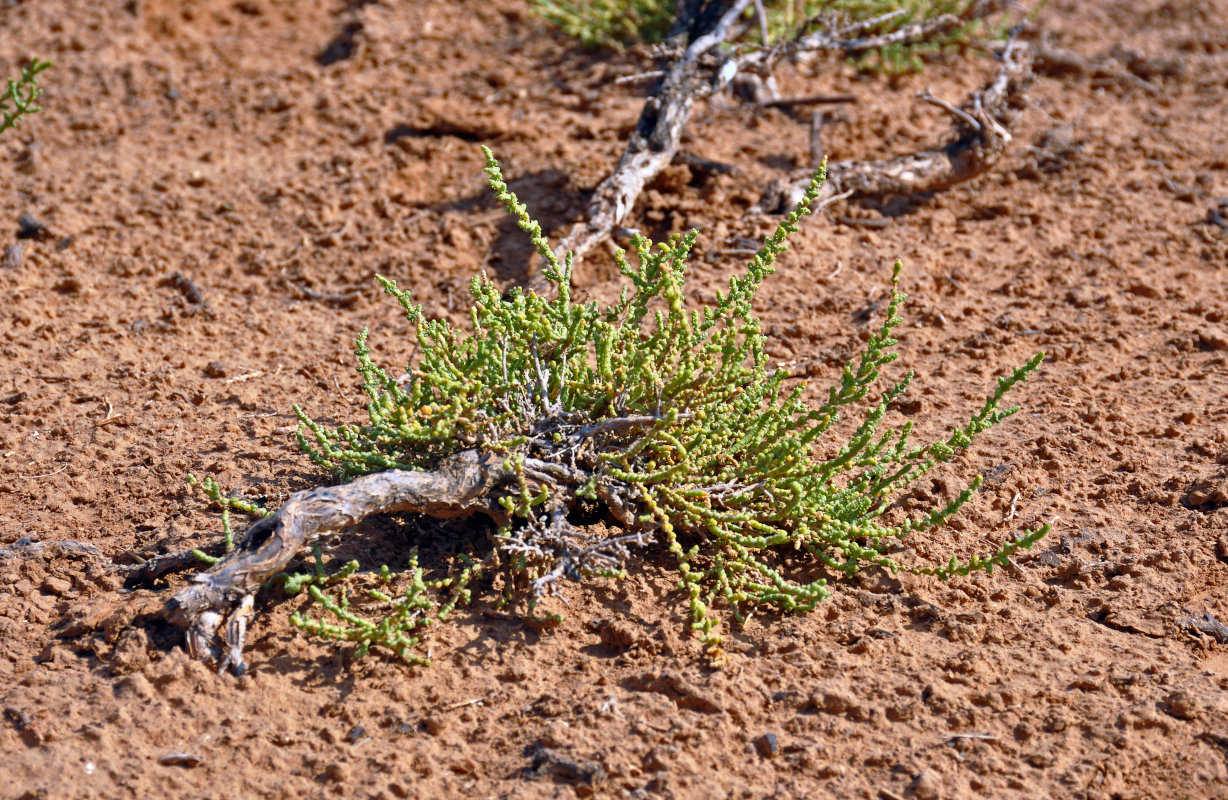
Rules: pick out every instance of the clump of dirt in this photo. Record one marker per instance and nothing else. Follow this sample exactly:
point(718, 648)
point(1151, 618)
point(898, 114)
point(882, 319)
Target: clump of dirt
point(215, 185)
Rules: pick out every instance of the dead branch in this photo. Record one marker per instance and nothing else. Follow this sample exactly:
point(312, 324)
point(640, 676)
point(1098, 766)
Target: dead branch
point(655, 138)
point(813, 100)
point(696, 73)
point(981, 133)
point(848, 41)
point(816, 138)
point(146, 573)
point(704, 165)
point(461, 485)
point(1057, 62)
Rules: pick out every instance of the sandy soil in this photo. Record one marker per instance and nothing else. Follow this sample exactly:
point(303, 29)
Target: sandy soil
point(221, 180)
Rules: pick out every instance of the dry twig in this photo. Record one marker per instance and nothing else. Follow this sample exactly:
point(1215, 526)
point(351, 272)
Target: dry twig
point(656, 136)
point(980, 136)
point(695, 73)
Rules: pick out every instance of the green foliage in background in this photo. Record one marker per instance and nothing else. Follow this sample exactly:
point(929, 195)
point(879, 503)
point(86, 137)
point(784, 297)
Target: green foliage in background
point(663, 413)
point(18, 98)
point(618, 23)
point(902, 58)
point(610, 23)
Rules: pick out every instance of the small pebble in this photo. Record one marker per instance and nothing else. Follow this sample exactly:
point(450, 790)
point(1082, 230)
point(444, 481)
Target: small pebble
point(927, 785)
point(28, 227)
point(12, 256)
point(767, 746)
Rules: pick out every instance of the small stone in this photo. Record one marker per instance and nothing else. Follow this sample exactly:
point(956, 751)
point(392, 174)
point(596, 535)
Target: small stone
point(1179, 704)
point(767, 746)
point(56, 586)
point(215, 369)
point(558, 765)
point(29, 228)
point(927, 785)
point(1205, 624)
point(12, 256)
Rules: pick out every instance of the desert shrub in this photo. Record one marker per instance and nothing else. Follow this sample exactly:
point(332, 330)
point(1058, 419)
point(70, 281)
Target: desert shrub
point(662, 416)
point(18, 98)
point(618, 23)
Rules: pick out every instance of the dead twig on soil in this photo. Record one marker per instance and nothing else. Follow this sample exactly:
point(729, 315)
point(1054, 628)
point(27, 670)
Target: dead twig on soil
point(980, 737)
point(981, 134)
point(812, 100)
point(25, 547)
point(1058, 62)
point(334, 299)
point(148, 570)
point(695, 73)
point(659, 130)
point(45, 474)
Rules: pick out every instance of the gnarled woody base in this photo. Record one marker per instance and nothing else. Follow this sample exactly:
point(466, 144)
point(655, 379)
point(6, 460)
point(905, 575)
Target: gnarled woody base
point(462, 484)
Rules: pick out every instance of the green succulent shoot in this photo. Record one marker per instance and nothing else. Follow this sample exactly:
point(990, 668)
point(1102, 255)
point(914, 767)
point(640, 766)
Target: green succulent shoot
point(17, 99)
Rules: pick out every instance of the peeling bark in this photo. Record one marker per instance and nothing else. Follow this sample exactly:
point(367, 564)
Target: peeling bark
point(463, 484)
point(466, 483)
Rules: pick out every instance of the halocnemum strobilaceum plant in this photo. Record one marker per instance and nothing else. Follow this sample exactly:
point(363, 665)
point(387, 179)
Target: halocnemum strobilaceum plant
point(18, 96)
point(663, 417)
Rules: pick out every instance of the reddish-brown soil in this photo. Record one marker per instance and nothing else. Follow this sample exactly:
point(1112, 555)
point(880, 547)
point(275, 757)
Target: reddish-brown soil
point(221, 180)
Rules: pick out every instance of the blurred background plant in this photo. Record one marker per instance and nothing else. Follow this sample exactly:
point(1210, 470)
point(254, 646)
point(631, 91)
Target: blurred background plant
point(617, 24)
point(610, 23)
point(19, 96)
